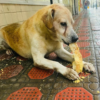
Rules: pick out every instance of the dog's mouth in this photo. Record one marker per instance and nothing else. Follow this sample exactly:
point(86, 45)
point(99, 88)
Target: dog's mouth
point(65, 42)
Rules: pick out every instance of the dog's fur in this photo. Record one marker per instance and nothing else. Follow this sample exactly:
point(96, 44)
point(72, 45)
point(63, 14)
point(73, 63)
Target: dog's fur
point(42, 34)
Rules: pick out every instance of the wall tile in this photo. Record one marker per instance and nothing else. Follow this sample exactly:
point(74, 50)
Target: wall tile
point(28, 14)
point(30, 8)
point(18, 8)
point(19, 16)
point(26, 8)
point(2, 20)
point(14, 17)
point(11, 8)
point(8, 8)
point(5, 7)
point(8, 18)
point(24, 15)
point(36, 8)
point(1, 9)
point(23, 8)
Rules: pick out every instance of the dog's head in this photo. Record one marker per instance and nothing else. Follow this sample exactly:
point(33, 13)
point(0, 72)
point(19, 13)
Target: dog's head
point(58, 19)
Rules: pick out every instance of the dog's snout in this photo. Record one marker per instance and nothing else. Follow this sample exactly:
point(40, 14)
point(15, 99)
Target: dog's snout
point(74, 39)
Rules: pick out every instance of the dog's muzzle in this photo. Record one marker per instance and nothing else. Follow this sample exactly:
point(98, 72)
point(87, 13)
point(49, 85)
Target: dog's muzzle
point(74, 39)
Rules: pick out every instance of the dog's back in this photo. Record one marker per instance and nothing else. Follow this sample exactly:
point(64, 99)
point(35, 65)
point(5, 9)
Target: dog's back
point(6, 35)
point(10, 29)
point(15, 39)
point(9, 33)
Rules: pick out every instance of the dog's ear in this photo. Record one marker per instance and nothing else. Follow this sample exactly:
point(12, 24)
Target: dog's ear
point(48, 18)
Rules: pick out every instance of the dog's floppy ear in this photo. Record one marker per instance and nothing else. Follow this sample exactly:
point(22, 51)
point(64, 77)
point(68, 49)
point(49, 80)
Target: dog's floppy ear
point(48, 18)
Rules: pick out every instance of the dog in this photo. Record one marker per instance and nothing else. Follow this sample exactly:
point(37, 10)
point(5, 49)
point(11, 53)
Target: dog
point(42, 34)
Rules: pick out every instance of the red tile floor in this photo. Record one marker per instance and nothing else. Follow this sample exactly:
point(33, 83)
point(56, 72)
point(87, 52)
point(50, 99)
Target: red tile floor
point(20, 80)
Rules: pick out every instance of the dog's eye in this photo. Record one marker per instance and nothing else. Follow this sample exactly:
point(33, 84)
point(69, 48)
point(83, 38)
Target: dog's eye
point(63, 24)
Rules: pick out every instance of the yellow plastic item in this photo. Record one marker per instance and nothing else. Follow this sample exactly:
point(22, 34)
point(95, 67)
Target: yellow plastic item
point(78, 63)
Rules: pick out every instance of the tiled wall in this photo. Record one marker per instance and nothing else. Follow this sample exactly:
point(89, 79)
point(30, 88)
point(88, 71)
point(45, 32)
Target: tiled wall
point(11, 13)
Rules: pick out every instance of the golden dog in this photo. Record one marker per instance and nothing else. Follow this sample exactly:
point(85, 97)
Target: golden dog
point(42, 34)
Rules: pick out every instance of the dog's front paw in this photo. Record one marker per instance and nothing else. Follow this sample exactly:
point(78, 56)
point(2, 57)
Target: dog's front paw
point(71, 74)
point(88, 67)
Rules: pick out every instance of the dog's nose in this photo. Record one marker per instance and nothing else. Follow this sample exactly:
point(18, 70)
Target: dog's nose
point(74, 39)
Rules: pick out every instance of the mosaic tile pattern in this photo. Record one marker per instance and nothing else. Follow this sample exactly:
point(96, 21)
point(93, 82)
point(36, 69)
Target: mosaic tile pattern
point(37, 73)
point(10, 71)
point(83, 44)
point(74, 93)
point(26, 93)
